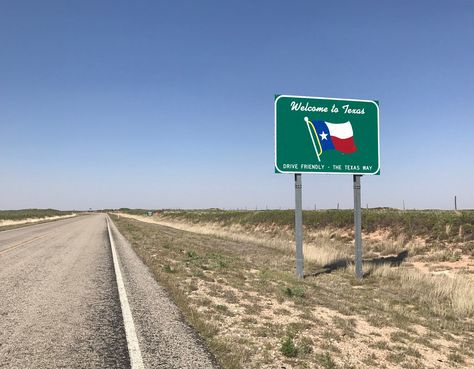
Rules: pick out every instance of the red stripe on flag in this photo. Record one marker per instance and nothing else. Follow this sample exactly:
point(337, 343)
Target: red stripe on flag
point(345, 145)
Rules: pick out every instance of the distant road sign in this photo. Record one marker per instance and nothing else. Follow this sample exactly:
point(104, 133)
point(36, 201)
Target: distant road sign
point(326, 135)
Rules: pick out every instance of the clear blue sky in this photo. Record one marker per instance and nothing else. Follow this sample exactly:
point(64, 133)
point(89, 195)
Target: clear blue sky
point(170, 103)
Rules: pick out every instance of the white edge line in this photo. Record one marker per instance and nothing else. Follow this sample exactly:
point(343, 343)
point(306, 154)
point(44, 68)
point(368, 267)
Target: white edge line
point(135, 355)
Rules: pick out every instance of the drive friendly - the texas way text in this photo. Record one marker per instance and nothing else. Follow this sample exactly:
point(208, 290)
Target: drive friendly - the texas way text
point(332, 167)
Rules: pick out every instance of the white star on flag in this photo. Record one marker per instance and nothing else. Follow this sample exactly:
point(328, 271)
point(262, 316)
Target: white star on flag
point(324, 136)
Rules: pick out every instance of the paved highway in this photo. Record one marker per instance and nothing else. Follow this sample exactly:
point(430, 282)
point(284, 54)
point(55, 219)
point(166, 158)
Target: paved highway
point(63, 303)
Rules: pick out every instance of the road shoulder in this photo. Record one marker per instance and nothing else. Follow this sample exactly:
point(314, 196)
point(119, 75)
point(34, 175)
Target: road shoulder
point(165, 339)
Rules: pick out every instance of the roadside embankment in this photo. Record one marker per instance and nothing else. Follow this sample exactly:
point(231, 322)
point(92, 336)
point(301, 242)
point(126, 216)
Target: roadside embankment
point(237, 287)
point(13, 218)
point(333, 241)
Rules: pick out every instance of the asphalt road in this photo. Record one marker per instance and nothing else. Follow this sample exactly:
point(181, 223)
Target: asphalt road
point(60, 305)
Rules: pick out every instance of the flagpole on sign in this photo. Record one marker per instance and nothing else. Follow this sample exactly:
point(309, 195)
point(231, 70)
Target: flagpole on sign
point(312, 138)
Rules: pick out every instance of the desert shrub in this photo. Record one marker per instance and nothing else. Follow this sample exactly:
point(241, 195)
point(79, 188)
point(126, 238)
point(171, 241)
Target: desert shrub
point(288, 347)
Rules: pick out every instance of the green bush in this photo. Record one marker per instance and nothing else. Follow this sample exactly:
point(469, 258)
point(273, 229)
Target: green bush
point(326, 361)
point(298, 291)
point(288, 347)
point(192, 254)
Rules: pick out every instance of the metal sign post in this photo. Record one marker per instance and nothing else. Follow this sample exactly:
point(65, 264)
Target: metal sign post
point(324, 135)
point(299, 226)
point(357, 227)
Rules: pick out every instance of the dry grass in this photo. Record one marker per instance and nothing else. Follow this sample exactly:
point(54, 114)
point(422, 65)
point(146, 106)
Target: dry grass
point(321, 247)
point(324, 248)
point(446, 295)
point(240, 292)
point(433, 225)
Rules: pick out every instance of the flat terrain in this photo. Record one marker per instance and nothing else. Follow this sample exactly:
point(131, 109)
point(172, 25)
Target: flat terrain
point(236, 286)
point(22, 214)
point(12, 224)
point(60, 306)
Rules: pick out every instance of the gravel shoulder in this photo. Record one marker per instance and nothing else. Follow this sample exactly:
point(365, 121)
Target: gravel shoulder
point(166, 341)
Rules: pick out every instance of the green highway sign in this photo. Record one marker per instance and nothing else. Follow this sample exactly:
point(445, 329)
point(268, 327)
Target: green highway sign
point(326, 135)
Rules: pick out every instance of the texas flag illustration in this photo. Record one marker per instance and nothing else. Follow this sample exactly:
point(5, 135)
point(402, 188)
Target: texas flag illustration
point(331, 136)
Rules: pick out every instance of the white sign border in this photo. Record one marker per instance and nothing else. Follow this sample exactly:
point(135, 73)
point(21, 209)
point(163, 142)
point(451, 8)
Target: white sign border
point(327, 98)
